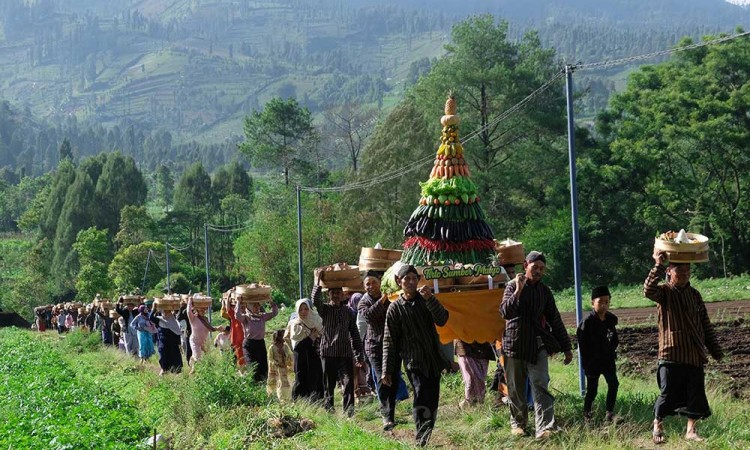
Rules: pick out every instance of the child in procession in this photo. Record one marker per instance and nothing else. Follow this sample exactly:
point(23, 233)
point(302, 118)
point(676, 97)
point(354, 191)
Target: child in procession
point(597, 340)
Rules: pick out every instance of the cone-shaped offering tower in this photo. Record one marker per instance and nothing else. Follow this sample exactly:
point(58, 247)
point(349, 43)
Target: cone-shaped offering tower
point(449, 225)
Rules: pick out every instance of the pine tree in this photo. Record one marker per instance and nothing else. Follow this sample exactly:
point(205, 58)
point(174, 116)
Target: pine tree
point(449, 225)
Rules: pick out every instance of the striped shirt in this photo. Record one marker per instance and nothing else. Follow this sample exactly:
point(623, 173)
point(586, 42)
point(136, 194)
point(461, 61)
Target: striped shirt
point(410, 336)
point(684, 328)
point(524, 318)
point(340, 334)
point(373, 310)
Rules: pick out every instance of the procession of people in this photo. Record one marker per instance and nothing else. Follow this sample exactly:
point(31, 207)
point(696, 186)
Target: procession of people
point(324, 348)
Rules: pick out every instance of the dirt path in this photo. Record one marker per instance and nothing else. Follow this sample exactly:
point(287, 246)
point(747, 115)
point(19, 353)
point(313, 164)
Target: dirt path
point(717, 311)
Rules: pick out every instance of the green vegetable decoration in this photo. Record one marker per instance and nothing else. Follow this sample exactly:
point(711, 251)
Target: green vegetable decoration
point(449, 225)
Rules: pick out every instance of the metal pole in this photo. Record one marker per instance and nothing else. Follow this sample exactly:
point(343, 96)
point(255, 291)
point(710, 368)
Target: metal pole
point(299, 243)
point(208, 275)
point(574, 214)
point(143, 285)
point(169, 285)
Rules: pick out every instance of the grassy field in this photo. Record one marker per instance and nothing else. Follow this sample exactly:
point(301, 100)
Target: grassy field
point(67, 392)
point(631, 296)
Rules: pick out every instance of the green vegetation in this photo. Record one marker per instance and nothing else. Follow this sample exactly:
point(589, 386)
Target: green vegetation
point(47, 380)
point(631, 296)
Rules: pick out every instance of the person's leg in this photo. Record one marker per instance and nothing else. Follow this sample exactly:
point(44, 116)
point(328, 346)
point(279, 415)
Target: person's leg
point(330, 373)
point(613, 384)
point(515, 373)
point(283, 390)
point(346, 376)
point(271, 380)
point(544, 402)
point(426, 399)
point(592, 386)
point(669, 377)
point(464, 364)
point(697, 404)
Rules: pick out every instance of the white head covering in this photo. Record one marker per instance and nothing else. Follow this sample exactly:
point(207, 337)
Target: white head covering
point(300, 328)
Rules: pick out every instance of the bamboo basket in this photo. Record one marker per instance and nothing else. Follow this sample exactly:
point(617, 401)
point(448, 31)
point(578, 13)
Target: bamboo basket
point(694, 252)
point(377, 258)
point(106, 305)
point(201, 301)
point(510, 252)
point(339, 275)
point(132, 299)
point(251, 293)
point(167, 303)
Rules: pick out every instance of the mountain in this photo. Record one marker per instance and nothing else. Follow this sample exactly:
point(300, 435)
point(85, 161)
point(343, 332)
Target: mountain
point(197, 67)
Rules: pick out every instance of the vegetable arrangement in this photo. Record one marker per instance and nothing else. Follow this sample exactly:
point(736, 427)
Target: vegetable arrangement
point(449, 225)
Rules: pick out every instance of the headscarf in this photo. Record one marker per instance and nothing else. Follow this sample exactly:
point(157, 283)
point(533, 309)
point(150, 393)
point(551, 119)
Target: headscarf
point(142, 309)
point(299, 328)
point(313, 320)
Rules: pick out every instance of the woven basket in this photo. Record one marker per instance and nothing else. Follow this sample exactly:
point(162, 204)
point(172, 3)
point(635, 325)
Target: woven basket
point(379, 259)
point(132, 299)
point(252, 293)
point(201, 301)
point(353, 284)
point(167, 303)
point(340, 275)
point(106, 305)
point(693, 252)
point(113, 314)
point(510, 253)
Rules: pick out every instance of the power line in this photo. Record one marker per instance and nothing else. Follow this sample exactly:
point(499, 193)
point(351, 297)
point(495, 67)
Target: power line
point(419, 163)
point(503, 116)
point(621, 61)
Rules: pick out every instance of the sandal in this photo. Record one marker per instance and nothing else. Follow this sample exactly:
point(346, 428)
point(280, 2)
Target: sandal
point(659, 437)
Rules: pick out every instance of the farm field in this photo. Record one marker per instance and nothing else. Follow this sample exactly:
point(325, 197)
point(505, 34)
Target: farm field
point(56, 390)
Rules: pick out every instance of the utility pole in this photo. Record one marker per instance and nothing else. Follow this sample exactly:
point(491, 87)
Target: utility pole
point(299, 243)
point(169, 285)
point(574, 213)
point(208, 275)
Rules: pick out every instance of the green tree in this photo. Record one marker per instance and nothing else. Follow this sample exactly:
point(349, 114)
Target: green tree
point(63, 178)
point(76, 214)
point(94, 253)
point(120, 184)
point(277, 136)
point(65, 151)
point(128, 266)
point(232, 179)
point(164, 186)
point(676, 141)
point(135, 226)
point(489, 73)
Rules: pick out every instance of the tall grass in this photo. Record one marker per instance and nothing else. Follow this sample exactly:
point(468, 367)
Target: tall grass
point(217, 409)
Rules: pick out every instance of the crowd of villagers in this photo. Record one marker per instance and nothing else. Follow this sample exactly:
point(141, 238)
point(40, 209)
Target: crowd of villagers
point(364, 343)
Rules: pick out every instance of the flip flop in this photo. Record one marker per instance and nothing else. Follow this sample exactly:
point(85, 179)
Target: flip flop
point(659, 437)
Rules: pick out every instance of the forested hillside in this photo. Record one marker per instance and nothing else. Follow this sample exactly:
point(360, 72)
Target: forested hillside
point(148, 77)
point(95, 199)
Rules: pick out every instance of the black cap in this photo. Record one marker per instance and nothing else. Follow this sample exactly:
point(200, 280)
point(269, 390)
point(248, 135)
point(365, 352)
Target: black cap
point(600, 291)
point(406, 268)
point(536, 256)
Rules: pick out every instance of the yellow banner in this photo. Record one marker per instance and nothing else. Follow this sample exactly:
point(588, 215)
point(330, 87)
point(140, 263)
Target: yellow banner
point(473, 316)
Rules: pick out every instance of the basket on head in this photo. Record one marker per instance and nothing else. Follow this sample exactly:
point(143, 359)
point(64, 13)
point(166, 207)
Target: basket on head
point(106, 305)
point(134, 300)
point(113, 314)
point(340, 275)
point(167, 303)
point(201, 301)
point(252, 293)
point(694, 251)
point(510, 252)
point(378, 259)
